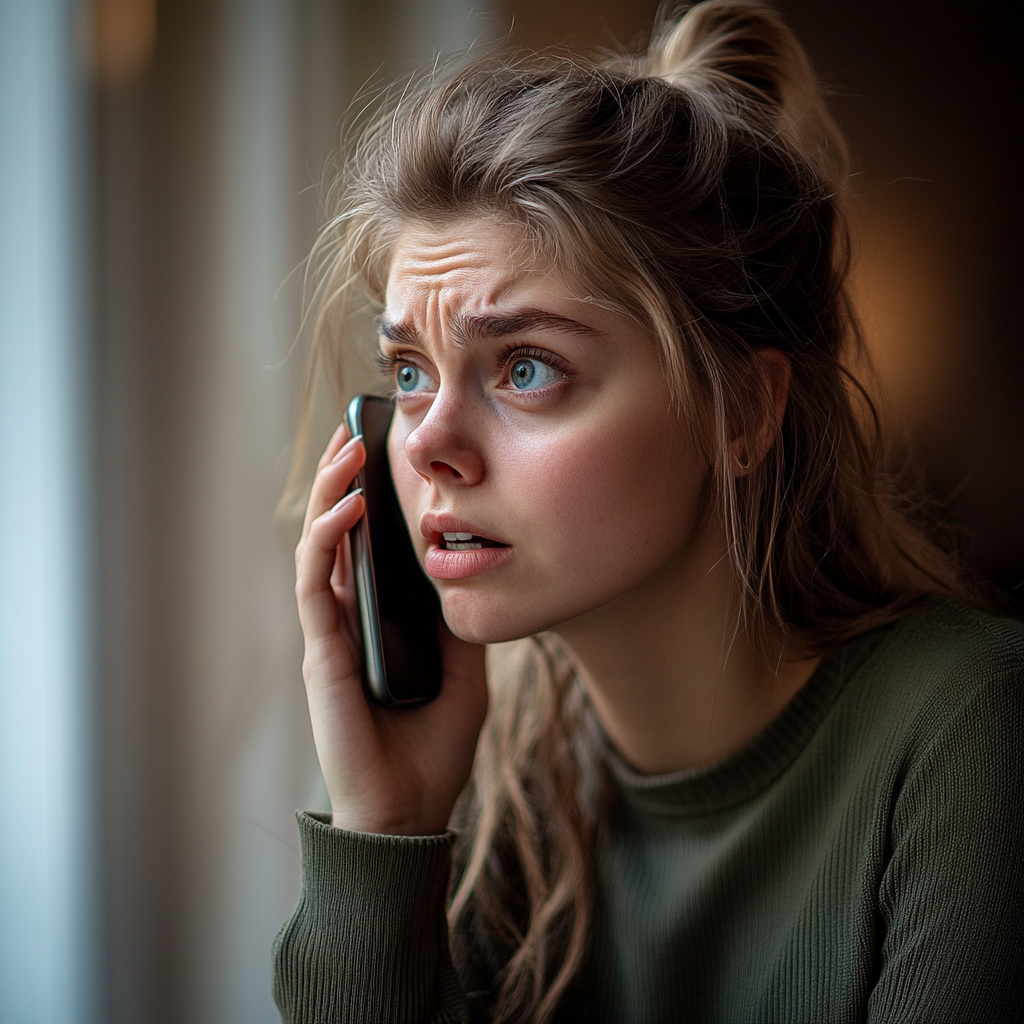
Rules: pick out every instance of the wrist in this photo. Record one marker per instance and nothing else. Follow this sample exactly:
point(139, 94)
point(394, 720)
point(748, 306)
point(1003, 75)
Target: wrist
point(420, 825)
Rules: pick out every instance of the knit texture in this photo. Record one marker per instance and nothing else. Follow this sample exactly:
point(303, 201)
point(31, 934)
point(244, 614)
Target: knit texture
point(371, 909)
point(859, 860)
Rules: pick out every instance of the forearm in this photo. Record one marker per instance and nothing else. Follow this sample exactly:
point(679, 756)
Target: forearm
point(368, 939)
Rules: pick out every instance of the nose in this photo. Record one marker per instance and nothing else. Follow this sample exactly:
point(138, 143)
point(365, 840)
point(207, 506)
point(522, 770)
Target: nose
point(444, 447)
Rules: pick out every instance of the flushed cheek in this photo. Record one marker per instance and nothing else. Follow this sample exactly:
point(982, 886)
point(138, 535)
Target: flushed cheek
point(608, 511)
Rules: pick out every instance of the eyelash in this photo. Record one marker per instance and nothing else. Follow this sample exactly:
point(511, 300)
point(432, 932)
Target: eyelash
point(387, 367)
point(388, 364)
point(511, 353)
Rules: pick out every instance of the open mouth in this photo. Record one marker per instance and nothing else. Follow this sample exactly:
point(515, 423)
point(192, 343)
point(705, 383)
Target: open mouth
point(460, 554)
point(467, 542)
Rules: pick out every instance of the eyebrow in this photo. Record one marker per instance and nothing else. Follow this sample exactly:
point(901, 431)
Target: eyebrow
point(466, 329)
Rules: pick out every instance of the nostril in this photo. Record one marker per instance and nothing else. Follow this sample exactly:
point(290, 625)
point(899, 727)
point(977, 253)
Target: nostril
point(445, 468)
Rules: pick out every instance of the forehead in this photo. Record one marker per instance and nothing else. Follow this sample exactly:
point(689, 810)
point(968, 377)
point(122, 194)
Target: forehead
point(479, 261)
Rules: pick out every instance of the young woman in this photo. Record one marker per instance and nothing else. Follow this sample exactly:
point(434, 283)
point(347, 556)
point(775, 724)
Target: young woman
point(751, 757)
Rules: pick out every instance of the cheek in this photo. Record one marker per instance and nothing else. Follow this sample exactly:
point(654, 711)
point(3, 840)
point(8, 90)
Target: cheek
point(623, 495)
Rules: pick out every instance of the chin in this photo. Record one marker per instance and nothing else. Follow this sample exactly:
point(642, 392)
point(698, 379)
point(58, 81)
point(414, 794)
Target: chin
point(479, 629)
point(483, 618)
point(478, 620)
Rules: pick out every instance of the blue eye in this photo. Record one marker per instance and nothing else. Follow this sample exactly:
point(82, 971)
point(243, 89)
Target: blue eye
point(409, 377)
point(530, 374)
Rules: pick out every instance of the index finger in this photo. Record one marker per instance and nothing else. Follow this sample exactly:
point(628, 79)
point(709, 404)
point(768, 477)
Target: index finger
point(337, 441)
point(331, 481)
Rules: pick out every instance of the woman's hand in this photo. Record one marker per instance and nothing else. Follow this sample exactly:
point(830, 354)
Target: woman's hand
point(392, 770)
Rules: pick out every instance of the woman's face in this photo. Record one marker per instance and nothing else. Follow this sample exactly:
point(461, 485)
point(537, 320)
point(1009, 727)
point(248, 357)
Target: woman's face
point(540, 466)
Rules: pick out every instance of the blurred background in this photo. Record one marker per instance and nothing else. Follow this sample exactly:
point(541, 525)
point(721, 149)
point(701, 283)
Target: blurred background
point(158, 173)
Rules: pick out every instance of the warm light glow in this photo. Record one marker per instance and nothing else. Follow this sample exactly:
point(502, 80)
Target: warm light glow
point(122, 35)
point(911, 307)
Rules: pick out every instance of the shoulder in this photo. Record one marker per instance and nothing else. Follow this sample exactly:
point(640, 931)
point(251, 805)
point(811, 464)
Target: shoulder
point(952, 890)
point(951, 636)
point(939, 701)
point(941, 691)
point(943, 656)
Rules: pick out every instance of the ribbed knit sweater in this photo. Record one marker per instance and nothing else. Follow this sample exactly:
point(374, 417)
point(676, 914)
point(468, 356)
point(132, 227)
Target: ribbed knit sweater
point(860, 859)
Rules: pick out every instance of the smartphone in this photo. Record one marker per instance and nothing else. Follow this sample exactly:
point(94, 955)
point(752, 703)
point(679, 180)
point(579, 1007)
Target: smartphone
point(399, 610)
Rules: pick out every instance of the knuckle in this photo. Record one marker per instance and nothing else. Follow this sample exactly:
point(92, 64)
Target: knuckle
point(321, 532)
point(304, 590)
point(315, 530)
point(308, 670)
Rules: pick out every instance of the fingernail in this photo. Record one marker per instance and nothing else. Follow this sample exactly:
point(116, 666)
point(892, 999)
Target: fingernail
point(344, 448)
point(348, 497)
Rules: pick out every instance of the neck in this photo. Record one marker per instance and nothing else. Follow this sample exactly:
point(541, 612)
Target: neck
point(672, 680)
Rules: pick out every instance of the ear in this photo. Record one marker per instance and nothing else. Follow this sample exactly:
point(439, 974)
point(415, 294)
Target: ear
point(770, 373)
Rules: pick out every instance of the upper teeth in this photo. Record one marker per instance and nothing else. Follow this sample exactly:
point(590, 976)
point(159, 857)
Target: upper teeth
point(458, 536)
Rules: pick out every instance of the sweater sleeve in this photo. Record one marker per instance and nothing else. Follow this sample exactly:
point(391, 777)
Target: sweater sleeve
point(952, 896)
point(368, 940)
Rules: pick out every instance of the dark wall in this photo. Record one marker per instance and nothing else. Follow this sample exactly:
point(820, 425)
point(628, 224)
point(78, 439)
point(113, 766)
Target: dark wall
point(930, 96)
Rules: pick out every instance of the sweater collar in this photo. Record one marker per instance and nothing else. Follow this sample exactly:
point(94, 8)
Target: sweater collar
point(744, 774)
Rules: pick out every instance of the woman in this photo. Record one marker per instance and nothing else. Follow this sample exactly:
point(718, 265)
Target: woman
point(756, 759)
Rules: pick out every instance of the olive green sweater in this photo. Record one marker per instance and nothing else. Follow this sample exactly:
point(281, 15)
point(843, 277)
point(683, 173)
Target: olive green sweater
point(861, 859)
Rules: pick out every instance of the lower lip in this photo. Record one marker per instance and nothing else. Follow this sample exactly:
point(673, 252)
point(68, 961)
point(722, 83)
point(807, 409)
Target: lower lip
point(441, 564)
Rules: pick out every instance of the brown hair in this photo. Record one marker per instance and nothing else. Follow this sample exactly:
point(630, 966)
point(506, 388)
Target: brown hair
point(700, 188)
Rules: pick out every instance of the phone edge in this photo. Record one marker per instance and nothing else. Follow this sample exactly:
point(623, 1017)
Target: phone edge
point(374, 675)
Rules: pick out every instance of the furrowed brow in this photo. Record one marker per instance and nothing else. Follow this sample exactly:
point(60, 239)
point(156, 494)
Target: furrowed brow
point(401, 333)
point(467, 328)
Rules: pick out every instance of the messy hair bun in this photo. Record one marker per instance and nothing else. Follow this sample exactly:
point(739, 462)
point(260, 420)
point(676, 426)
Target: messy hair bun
point(744, 56)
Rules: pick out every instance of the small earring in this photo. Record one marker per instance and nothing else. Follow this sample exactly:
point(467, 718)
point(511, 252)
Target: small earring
point(744, 463)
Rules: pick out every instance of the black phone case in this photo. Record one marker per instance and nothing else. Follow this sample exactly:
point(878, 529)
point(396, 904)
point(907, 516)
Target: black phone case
point(398, 606)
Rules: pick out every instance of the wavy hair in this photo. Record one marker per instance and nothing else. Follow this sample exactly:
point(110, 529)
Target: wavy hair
point(699, 187)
